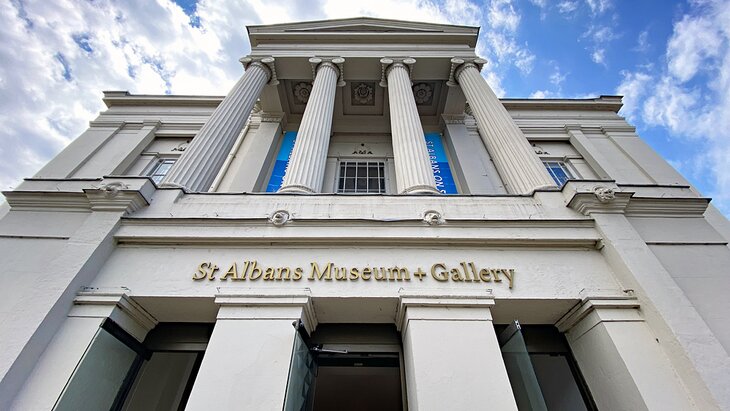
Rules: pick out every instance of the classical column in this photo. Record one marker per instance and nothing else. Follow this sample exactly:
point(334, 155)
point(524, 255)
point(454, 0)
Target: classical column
point(413, 171)
point(305, 172)
point(198, 166)
point(521, 170)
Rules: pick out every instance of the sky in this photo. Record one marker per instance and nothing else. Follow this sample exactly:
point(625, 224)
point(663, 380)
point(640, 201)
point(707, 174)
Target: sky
point(669, 59)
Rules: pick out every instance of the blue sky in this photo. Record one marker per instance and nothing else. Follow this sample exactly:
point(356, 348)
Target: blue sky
point(671, 61)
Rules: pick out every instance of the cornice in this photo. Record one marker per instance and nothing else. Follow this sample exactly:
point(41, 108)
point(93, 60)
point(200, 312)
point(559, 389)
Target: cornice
point(601, 103)
point(125, 98)
point(604, 196)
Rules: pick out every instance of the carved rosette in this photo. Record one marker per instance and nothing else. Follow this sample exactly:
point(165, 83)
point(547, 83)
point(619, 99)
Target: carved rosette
point(423, 93)
point(301, 91)
point(363, 94)
point(279, 217)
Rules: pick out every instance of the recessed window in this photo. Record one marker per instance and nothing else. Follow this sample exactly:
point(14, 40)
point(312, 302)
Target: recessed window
point(558, 171)
point(160, 169)
point(361, 177)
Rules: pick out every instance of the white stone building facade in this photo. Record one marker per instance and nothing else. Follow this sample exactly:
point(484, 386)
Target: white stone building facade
point(362, 224)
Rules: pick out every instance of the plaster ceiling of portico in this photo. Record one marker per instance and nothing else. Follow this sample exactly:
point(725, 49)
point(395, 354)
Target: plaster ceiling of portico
point(363, 99)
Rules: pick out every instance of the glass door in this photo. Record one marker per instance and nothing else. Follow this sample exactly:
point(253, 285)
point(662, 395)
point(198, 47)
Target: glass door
point(520, 370)
point(302, 373)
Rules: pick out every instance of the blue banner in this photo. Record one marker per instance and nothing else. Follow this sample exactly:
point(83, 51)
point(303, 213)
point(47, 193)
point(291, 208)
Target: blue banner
point(440, 164)
point(282, 161)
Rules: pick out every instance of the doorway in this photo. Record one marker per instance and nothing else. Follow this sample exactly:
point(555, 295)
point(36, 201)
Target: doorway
point(347, 367)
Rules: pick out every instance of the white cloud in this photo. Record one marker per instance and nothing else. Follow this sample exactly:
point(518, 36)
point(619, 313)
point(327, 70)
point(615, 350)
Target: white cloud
point(599, 6)
point(599, 56)
point(56, 57)
point(642, 42)
point(694, 40)
point(633, 88)
point(693, 111)
point(567, 7)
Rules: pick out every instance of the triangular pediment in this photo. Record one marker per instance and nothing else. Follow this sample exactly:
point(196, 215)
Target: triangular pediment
point(360, 25)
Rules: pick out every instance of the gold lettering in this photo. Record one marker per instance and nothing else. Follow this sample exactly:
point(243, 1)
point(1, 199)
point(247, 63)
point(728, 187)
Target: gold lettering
point(232, 272)
point(354, 274)
point(255, 271)
point(380, 274)
point(202, 271)
point(245, 269)
point(399, 274)
point(341, 273)
point(510, 274)
point(366, 273)
point(456, 275)
point(474, 271)
point(467, 278)
point(485, 275)
point(495, 274)
point(440, 276)
point(269, 274)
point(298, 273)
point(283, 273)
point(326, 274)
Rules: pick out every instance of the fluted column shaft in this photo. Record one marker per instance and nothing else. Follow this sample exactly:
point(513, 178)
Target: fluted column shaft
point(521, 170)
point(305, 172)
point(413, 172)
point(198, 166)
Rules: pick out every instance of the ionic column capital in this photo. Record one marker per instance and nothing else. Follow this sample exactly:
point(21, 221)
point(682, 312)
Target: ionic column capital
point(337, 63)
point(267, 63)
point(387, 64)
point(459, 64)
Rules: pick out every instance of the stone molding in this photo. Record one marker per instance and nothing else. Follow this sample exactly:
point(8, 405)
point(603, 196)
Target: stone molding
point(270, 304)
point(607, 309)
point(591, 196)
point(114, 304)
point(125, 194)
point(605, 196)
point(443, 305)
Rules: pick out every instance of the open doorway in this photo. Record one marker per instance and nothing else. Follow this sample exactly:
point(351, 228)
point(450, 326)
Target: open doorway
point(347, 367)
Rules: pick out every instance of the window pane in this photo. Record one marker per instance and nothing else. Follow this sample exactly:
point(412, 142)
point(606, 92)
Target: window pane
point(362, 177)
point(99, 375)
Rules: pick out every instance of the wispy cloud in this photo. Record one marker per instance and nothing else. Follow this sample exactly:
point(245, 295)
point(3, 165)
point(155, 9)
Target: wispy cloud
point(690, 94)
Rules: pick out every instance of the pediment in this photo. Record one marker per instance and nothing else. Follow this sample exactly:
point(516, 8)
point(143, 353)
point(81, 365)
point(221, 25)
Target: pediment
point(360, 25)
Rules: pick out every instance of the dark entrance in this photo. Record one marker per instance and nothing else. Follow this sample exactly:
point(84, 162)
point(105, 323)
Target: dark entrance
point(346, 367)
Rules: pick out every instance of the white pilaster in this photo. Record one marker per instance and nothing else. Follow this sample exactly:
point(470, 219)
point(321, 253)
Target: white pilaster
point(246, 363)
point(198, 166)
point(451, 354)
point(620, 358)
point(521, 170)
point(413, 171)
point(305, 172)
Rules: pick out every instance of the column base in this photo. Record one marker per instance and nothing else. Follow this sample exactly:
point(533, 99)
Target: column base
point(295, 189)
point(421, 190)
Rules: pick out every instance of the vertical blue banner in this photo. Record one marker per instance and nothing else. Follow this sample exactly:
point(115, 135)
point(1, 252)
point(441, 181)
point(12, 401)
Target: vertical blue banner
point(440, 164)
point(282, 161)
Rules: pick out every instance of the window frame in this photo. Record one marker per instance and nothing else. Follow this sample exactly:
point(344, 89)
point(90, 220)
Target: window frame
point(380, 161)
point(564, 164)
point(155, 164)
point(388, 171)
